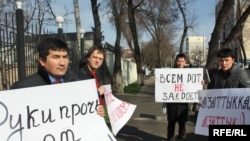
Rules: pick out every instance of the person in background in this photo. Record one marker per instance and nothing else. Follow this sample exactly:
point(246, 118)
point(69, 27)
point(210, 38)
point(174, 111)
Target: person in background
point(228, 75)
point(177, 112)
point(53, 67)
point(89, 66)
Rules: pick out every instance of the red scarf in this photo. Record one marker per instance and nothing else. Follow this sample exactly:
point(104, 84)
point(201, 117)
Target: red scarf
point(97, 85)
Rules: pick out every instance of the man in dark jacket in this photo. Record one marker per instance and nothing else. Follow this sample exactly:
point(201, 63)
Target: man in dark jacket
point(89, 66)
point(229, 75)
point(177, 112)
point(53, 67)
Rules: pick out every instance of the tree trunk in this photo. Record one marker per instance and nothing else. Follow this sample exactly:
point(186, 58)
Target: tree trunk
point(78, 21)
point(185, 26)
point(103, 70)
point(137, 54)
point(237, 30)
point(236, 33)
point(117, 83)
point(97, 23)
point(214, 43)
point(76, 59)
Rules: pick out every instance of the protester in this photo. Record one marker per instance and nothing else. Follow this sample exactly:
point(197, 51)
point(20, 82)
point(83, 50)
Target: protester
point(228, 75)
point(177, 112)
point(88, 68)
point(53, 67)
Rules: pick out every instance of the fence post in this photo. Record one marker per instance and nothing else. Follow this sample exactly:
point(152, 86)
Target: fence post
point(20, 40)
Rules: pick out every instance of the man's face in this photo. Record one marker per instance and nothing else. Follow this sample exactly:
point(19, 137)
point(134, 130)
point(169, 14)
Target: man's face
point(95, 60)
point(226, 63)
point(56, 63)
point(180, 62)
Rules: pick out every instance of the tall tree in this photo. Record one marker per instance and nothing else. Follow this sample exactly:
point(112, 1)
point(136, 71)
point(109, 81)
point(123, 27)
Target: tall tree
point(188, 19)
point(132, 23)
point(103, 71)
point(117, 10)
point(215, 38)
point(157, 18)
point(236, 32)
point(97, 23)
point(76, 60)
point(77, 20)
point(149, 53)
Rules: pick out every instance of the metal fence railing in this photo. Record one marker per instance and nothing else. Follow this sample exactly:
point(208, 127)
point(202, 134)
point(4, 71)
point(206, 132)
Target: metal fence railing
point(8, 54)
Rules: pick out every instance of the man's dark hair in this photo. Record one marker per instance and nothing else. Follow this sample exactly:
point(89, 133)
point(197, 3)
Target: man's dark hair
point(92, 49)
point(181, 55)
point(226, 52)
point(51, 43)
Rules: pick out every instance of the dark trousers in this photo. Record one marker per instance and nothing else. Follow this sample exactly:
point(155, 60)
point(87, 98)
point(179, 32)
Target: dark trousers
point(171, 129)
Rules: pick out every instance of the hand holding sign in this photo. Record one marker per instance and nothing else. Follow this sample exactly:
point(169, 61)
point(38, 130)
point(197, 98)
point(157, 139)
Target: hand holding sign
point(178, 85)
point(222, 107)
point(69, 113)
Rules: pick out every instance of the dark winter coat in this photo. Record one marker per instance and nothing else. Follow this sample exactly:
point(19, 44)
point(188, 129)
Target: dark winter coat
point(42, 78)
point(234, 78)
point(177, 112)
point(84, 73)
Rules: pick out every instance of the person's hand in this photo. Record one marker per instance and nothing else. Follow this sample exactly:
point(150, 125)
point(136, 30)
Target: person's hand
point(101, 90)
point(100, 111)
point(199, 104)
point(203, 82)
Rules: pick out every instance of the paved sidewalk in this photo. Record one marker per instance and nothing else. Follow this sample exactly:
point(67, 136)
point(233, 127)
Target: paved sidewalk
point(148, 123)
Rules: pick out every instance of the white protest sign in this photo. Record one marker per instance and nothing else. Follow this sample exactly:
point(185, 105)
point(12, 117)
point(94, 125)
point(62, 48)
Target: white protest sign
point(57, 112)
point(177, 84)
point(223, 107)
point(119, 111)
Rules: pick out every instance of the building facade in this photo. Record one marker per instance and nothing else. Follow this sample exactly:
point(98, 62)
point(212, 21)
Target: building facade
point(196, 50)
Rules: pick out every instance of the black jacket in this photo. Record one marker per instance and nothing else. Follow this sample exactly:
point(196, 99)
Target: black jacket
point(177, 112)
point(84, 73)
point(42, 78)
point(234, 78)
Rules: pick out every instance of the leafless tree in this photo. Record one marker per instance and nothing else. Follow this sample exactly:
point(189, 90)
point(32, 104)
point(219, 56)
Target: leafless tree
point(97, 23)
point(157, 18)
point(98, 40)
point(214, 42)
point(236, 32)
point(77, 20)
point(117, 9)
point(132, 23)
point(149, 53)
point(188, 18)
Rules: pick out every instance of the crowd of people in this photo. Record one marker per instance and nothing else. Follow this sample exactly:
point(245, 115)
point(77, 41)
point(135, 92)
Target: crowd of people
point(225, 74)
point(54, 68)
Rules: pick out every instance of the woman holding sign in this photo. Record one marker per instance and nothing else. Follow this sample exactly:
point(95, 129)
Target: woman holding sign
point(177, 112)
